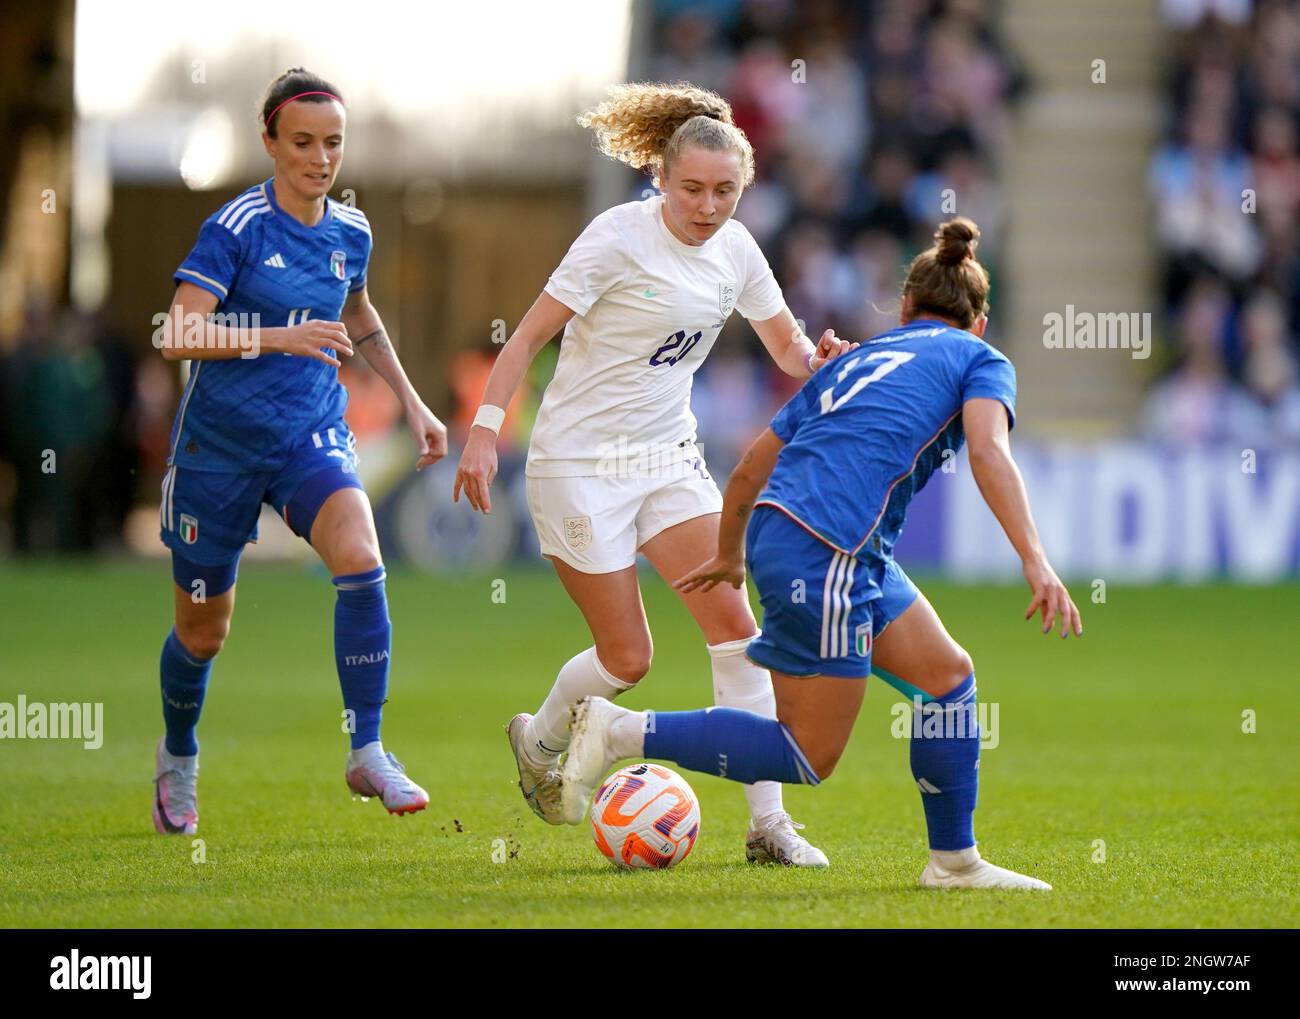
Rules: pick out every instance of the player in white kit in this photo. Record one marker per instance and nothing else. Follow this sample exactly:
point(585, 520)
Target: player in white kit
point(613, 468)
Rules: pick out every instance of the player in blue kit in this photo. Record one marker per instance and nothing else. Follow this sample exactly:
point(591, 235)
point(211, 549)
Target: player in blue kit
point(272, 293)
point(840, 462)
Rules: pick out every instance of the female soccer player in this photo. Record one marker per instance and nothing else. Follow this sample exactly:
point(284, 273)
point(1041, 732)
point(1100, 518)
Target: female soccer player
point(613, 468)
point(261, 420)
point(840, 462)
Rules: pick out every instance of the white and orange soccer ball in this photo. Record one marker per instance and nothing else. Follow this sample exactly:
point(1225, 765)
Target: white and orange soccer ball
point(645, 815)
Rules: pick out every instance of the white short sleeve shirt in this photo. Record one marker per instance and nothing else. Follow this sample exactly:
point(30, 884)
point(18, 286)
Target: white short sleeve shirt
point(647, 310)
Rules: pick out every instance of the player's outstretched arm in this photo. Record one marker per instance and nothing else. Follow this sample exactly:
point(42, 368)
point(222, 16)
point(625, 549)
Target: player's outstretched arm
point(478, 462)
point(368, 335)
point(788, 346)
point(187, 332)
point(746, 481)
point(985, 423)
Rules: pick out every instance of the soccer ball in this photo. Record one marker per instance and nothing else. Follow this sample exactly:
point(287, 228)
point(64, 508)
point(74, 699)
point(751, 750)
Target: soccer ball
point(645, 815)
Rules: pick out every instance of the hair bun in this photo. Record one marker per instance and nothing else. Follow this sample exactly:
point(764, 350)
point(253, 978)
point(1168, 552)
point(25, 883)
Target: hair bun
point(956, 240)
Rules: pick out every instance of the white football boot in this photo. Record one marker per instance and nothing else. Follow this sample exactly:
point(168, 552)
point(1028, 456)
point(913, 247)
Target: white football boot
point(176, 792)
point(965, 868)
point(540, 785)
point(371, 772)
point(776, 839)
point(589, 755)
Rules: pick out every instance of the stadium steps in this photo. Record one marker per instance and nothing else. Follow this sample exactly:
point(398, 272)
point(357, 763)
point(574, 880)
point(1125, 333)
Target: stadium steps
point(1078, 228)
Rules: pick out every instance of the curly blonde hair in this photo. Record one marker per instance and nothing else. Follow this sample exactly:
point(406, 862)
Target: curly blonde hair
point(647, 124)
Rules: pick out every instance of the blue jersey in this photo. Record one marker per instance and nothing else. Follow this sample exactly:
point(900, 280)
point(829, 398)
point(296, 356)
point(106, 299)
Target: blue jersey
point(248, 414)
point(865, 433)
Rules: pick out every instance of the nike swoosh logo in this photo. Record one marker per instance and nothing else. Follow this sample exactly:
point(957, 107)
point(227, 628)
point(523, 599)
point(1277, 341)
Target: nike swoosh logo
point(650, 292)
point(175, 829)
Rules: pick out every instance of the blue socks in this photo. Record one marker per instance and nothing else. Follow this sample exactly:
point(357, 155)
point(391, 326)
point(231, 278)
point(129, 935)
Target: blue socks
point(945, 758)
point(363, 640)
point(184, 682)
point(729, 743)
point(362, 643)
point(362, 646)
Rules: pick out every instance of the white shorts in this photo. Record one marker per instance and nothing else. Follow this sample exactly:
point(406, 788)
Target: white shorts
point(597, 524)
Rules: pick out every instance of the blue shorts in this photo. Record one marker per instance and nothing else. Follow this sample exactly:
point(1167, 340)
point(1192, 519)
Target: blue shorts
point(821, 608)
point(208, 516)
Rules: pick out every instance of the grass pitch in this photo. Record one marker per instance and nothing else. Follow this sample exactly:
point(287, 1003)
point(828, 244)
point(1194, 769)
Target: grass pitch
point(1122, 776)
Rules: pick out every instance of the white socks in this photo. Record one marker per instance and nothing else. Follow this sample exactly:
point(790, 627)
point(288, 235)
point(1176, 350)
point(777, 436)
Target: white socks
point(625, 736)
point(370, 753)
point(739, 683)
point(955, 859)
point(547, 735)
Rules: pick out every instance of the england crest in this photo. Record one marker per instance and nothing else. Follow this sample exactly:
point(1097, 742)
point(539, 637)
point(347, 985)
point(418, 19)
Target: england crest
point(337, 260)
point(577, 532)
point(726, 298)
point(189, 529)
point(862, 635)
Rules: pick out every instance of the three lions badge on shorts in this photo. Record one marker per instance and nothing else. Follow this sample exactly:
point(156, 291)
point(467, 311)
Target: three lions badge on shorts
point(577, 532)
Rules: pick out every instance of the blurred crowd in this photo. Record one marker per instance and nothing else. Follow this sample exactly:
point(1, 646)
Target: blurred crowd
point(1225, 194)
point(80, 418)
point(85, 427)
point(871, 122)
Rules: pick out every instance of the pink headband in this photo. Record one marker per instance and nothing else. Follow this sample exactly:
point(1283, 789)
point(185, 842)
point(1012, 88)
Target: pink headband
point(299, 96)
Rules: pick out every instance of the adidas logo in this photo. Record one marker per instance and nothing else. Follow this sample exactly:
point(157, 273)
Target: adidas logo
point(276, 261)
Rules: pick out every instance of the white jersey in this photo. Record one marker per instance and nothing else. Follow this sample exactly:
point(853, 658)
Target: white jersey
point(647, 309)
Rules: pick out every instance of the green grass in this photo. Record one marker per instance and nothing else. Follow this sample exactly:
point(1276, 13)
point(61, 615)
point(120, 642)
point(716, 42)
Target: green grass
point(1132, 735)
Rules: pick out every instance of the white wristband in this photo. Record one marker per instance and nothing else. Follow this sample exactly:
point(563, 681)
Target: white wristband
point(490, 417)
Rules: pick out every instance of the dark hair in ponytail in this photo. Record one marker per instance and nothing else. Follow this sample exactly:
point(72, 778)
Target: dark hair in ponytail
point(945, 280)
point(293, 82)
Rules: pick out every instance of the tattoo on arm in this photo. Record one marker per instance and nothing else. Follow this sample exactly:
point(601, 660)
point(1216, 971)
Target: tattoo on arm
point(742, 511)
point(378, 335)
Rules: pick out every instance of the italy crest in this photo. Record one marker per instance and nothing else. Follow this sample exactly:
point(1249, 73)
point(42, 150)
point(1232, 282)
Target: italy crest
point(862, 635)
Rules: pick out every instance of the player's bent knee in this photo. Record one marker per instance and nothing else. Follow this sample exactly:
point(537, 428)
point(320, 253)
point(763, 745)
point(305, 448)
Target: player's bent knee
point(628, 664)
point(203, 641)
point(632, 670)
point(955, 670)
point(739, 628)
point(821, 755)
point(944, 672)
point(355, 559)
point(823, 762)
